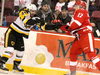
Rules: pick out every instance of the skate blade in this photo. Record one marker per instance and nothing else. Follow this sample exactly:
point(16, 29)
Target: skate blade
point(3, 71)
point(17, 72)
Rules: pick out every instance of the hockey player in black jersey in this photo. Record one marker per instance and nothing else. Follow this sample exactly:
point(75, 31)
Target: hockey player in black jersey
point(14, 36)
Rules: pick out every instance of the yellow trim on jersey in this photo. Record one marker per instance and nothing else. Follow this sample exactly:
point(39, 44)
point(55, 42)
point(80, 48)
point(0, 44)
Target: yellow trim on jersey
point(22, 14)
point(26, 21)
point(38, 25)
point(44, 26)
point(5, 56)
point(7, 37)
point(18, 59)
point(18, 30)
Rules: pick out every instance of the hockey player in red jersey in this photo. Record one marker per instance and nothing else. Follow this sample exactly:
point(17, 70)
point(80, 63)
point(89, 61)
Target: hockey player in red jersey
point(82, 29)
point(84, 41)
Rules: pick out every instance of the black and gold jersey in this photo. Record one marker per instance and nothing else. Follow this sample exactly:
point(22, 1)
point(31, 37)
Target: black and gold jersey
point(24, 22)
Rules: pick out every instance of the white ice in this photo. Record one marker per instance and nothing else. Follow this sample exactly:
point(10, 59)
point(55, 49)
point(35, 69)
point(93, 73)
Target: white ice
point(11, 73)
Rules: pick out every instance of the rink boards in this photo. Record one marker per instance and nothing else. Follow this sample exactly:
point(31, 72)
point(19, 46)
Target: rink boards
point(47, 54)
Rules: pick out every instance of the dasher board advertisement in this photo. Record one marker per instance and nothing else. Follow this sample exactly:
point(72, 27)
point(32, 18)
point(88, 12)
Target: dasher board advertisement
point(56, 45)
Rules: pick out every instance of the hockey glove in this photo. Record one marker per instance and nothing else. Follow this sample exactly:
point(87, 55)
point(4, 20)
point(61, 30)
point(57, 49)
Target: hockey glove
point(42, 22)
point(57, 26)
point(55, 21)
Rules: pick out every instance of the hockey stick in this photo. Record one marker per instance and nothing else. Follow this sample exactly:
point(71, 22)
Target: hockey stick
point(69, 43)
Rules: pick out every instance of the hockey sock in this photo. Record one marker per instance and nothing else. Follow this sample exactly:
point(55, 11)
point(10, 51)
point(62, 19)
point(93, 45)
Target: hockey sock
point(73, 62)
point(7, 54)
point(4, 60)
point(17, 62)
point(95, 59)
point(73, 66)
point(19, 56)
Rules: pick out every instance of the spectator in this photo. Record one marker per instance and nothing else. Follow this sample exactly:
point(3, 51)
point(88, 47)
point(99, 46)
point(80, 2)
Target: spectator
point(70, 7)
point(56, 13)
point(20, 4)
point(95, 30)
point(40, 1)
point(53, 4)
point(59, 5)
point(64, 16)
point(71, 3)
point(45, 13)
point(92, 7)
point(35, 2)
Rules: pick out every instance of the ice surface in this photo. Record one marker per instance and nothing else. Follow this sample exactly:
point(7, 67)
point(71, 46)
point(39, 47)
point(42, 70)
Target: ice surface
point(11, 73)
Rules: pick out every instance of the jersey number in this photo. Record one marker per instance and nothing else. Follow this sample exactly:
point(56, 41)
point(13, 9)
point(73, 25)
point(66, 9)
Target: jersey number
point(80, 15)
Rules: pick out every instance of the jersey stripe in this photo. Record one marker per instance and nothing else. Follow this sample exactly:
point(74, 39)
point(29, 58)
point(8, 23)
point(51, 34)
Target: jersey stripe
point(77, 22)
point(23, 19)
point(18, 30)
point(91, 42)
point(20, 27)
point(7, 37)
point(73, 63)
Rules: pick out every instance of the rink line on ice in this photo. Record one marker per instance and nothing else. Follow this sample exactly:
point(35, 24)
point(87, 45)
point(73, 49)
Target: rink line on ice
point(43, 71)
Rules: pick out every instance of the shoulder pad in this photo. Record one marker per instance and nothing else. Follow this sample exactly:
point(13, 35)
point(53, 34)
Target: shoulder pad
point(24, 9)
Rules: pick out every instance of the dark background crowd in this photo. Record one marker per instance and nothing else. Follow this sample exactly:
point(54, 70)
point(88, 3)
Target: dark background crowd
point(49, 10)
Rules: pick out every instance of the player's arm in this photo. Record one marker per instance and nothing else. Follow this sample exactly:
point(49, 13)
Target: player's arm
point(51, 27)
point(26, 20)
point(76, 21)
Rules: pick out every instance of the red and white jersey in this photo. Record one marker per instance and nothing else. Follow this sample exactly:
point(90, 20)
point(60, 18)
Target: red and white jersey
point(22, 3)
point(80, 21)
point(59, 5)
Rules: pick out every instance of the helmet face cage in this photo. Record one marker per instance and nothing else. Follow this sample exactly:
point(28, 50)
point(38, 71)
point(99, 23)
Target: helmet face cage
point(81, 4)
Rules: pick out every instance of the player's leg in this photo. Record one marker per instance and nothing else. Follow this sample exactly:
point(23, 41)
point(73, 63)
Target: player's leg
point(74, 51)
point(95, 59)
point(89, 49)
point(9, 43)
point(19, 46)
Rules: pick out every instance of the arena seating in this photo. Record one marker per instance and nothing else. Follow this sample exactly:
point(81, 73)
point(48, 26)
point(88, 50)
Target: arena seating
point(10, 19)
point(96, 14)
point(8, 7)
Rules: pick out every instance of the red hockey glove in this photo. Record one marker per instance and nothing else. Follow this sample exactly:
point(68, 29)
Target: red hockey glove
point(55, 21)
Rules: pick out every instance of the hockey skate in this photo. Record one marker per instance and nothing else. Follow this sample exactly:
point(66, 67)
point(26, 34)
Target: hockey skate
point(3, 69)
point(17, 68)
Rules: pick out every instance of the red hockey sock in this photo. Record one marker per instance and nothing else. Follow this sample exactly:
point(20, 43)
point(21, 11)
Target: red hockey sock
point(72, 68)
point(73, 65)
point(95, 59)
point(98, 65)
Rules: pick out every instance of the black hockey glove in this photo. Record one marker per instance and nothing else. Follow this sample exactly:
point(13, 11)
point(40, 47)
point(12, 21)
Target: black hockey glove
point(42, 22)
point(57, 26)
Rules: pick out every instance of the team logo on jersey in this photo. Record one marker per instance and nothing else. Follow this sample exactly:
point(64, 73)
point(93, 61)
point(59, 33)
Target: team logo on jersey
point(23, 13)
point(12, 43)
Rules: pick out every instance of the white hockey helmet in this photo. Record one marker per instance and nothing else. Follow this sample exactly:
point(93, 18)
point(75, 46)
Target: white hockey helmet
point(32, 7)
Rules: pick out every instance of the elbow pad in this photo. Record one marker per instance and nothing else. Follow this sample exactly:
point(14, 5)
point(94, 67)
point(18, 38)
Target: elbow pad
point(31, 22)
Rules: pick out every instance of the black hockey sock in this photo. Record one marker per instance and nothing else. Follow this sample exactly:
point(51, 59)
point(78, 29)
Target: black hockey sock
point(4, 60)
point(17, 62)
